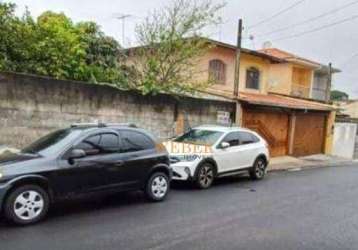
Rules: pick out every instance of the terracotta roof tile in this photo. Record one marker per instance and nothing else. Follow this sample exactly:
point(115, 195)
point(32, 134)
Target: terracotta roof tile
point(284, 55)
point(283, 101)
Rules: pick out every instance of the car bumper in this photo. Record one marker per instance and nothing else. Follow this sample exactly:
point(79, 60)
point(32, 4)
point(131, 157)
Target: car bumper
point(183, 171)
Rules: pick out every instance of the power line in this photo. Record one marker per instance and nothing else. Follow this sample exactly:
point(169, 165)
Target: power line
point(317, 29)
point(277, 14)
point(310, 19)
point(349, 59)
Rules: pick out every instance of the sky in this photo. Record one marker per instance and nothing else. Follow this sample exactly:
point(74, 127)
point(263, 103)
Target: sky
point(334, 39)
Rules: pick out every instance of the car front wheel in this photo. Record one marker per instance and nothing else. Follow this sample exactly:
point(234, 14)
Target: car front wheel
point(157, 187)
point(26, 205)
point(258, 171)
point(205, 176)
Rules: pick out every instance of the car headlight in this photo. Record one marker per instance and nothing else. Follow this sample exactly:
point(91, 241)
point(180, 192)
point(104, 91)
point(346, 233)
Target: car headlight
point(1, 175)
point(187, 170)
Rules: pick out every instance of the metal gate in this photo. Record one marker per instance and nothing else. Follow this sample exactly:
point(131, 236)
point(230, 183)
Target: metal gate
point(271, 125)
point(309, 134)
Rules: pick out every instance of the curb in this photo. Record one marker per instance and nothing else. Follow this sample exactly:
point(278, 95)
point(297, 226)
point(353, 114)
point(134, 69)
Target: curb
point(314, 166)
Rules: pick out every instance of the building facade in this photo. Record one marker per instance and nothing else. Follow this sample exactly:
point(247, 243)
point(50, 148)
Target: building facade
point(281, 96)
point(349, 108)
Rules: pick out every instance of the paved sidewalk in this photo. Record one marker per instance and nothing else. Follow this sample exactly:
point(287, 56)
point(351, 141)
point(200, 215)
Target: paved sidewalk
point(293, 163)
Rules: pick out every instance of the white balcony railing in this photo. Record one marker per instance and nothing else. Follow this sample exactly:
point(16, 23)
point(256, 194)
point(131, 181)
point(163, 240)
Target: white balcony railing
point(319, 94)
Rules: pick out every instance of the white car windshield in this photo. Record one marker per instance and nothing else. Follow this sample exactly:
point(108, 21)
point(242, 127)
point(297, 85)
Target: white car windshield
point(200, 137)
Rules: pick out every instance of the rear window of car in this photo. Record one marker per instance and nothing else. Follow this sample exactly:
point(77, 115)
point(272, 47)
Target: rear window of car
point(247, 138)
point(233, 139)
point(133, 141)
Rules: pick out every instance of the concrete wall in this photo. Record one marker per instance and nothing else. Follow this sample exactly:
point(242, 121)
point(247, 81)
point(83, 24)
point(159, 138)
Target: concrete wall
point(31, 106)
point(344, 140)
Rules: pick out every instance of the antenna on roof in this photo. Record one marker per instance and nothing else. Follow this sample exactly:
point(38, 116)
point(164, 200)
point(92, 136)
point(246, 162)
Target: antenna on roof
point(122, 17)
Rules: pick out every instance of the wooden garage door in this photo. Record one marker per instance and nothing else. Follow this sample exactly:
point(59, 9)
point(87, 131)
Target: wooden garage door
point(309, 134)
point(271, 125)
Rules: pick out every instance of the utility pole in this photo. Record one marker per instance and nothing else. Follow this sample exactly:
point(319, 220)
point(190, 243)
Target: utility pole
point(238, 112)
point(329, 83)
point(237, 62)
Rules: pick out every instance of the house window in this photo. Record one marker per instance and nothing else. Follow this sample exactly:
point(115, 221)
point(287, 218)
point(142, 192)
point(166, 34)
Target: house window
point(217, 72)
point(252, 78)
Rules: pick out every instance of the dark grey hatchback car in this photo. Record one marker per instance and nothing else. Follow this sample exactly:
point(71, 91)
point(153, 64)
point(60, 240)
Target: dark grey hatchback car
point(83, 159)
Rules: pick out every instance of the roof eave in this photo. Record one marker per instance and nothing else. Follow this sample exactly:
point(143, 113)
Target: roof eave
point(267, 104)
point(225, 45)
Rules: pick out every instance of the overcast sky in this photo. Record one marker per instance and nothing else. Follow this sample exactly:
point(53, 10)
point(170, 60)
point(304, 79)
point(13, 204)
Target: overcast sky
point(337, 44)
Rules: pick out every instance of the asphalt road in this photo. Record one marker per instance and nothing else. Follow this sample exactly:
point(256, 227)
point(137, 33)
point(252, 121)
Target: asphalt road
point(311, 209)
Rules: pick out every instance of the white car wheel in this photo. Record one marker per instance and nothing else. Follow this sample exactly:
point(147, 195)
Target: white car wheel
point(258, 171)
point(158, 186)
point(26, 205)
point(205, 176)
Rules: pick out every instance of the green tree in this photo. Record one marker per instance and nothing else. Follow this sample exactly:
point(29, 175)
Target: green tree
point(57, 49)
point(337, 95)
point(171, 46)
point(103, 55)
point(55, 46)
point(15, 39)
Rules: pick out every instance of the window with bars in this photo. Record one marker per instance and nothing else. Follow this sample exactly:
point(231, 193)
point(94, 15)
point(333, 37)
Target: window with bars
point(217, 72)
point(252, 78)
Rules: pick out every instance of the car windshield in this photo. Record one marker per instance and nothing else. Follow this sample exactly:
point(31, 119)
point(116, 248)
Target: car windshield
point(200, 137)
point(52, 142)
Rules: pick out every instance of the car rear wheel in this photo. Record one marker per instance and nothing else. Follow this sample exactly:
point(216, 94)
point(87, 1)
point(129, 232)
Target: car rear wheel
point(258, 171)
point(157, 187)
point(26, 205)
point(205, 176)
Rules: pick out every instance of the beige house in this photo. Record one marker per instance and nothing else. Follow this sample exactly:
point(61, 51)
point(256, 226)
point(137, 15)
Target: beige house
point(349, 108)
point(278, 72)
point(281, 96)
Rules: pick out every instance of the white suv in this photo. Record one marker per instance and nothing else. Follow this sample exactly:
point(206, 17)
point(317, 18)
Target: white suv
point(207, 152)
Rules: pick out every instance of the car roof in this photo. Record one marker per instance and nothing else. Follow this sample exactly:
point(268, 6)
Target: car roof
point(90, 129)
point(222, 128)
point(93, 128)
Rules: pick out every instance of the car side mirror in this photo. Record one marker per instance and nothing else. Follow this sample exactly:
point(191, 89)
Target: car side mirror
point(224, 145)
point(77, 154)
